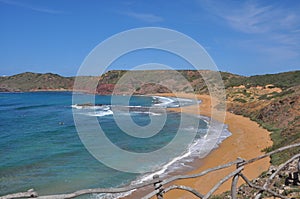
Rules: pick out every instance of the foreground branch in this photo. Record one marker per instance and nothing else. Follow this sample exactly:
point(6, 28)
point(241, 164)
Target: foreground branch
point(160, 190)
point(222, 181)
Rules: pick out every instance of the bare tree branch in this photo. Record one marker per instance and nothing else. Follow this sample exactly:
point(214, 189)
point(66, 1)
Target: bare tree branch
point(180, 177)
point(222, 181)
point(270, 153)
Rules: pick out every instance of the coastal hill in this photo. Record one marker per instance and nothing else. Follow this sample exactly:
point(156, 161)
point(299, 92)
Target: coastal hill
point(272, 100)
point(28, 81)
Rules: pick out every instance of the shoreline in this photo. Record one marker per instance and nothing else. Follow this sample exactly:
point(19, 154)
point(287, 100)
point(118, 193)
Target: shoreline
point(247, 141)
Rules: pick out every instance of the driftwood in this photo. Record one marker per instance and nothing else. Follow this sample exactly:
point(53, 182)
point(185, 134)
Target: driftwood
point(159, 183)
point(28, 194)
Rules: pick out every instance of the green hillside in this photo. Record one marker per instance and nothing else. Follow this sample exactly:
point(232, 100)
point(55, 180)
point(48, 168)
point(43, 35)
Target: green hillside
point(35, 81)
point(281, 80)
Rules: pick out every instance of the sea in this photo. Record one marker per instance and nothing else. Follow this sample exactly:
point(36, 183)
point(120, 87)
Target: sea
point(40, 147)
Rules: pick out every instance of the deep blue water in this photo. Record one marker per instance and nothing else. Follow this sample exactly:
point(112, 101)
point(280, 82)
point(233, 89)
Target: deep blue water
point(40, 147)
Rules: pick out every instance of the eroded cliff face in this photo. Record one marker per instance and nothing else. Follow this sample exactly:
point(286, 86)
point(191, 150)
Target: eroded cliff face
point(279, 112)
point(280, 115)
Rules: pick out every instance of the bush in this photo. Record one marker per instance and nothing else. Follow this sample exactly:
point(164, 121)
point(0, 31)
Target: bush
point(240, 100)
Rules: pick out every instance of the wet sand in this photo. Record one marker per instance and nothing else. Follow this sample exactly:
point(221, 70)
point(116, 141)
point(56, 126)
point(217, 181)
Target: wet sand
point(247, 141)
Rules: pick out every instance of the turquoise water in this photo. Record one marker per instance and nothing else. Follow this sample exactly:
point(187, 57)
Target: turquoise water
point(40, 147)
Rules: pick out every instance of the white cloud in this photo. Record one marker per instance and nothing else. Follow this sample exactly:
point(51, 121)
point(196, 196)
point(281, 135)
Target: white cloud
point(253, 17)
point(31, 7)
point(273, 27)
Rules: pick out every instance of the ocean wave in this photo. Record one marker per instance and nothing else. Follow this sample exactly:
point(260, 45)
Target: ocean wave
point(162, 101)
point(172, 102)
point(131, 113)
point(99, 113)
point(9, 104)
point(104, 110)
point(102, 107)
point(97, 110)
point(32, 107)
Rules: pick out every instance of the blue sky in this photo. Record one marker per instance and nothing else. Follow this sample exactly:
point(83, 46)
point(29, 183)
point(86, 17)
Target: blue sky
point(242, 37)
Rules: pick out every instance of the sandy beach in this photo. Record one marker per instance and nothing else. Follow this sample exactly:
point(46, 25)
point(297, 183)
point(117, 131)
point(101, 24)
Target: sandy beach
point(248, 140)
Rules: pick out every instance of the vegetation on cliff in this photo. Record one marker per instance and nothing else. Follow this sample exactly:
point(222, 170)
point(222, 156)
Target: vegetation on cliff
point(274, 102)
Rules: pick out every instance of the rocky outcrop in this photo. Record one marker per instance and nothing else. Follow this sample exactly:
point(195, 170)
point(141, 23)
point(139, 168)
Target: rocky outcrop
point(4, 90)
point(105, 89)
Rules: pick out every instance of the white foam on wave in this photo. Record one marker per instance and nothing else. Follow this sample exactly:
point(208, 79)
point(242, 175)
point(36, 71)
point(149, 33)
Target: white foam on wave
point(99, 113)
point(76, 106)
point(195, 150)
point(146, 112)
point(111, 196)
point(164, 168)
point(131, 112)
point(173, 102)
point(103, 107)
point(163, 101)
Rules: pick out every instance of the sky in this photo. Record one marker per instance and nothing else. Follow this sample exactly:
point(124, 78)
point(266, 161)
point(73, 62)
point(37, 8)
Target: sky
point(242, 37)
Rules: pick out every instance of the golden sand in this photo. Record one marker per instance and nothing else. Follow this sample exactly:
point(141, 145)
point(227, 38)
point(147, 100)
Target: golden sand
point(247, 141)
